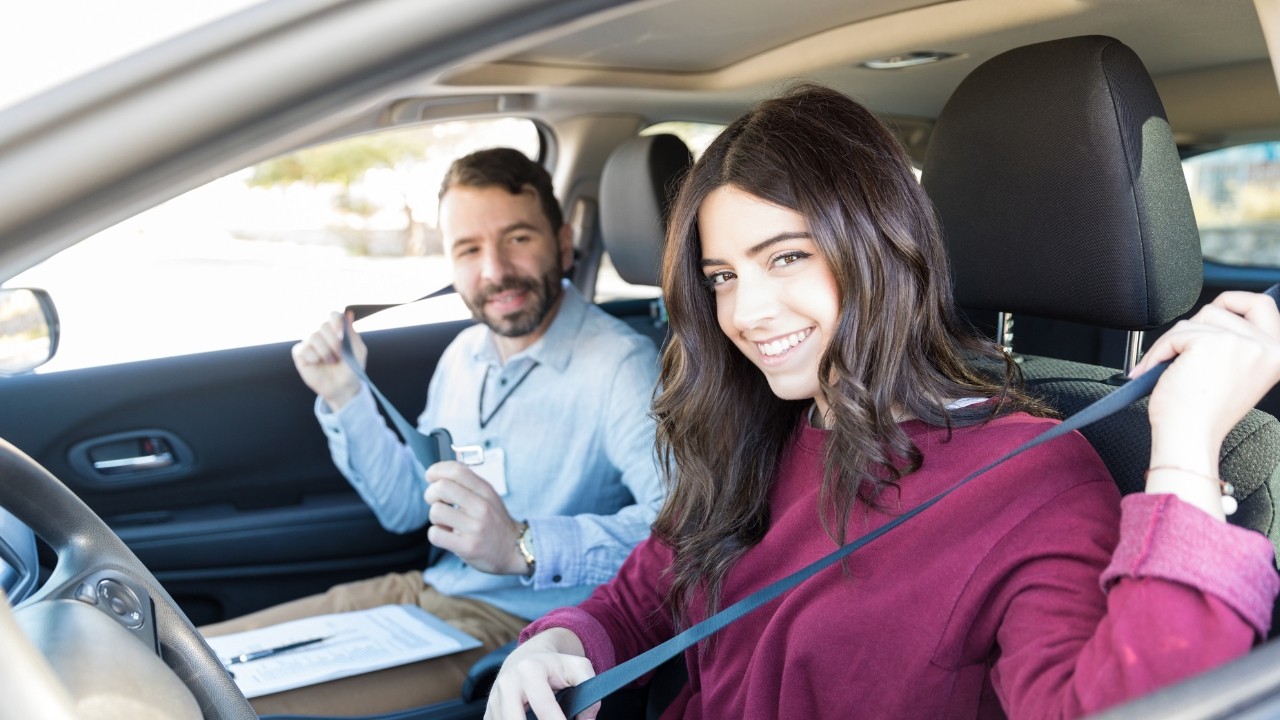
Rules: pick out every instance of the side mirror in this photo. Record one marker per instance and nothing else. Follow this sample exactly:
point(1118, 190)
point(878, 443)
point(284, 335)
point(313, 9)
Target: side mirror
point(28, 330)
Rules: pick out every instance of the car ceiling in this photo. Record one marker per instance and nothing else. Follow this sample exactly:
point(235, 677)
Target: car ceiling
point(558, 59)
point(707, 59)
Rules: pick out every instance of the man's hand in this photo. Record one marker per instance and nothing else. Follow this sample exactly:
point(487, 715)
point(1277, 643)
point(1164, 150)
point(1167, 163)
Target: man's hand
point(319, 362)
point(469, 520)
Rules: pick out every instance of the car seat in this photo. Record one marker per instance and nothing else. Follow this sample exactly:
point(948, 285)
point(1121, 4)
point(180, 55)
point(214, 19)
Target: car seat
point(637, 187)
point(1060, 193)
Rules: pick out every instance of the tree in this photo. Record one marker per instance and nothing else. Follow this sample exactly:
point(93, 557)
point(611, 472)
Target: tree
point(346, 163)
point(416, 157)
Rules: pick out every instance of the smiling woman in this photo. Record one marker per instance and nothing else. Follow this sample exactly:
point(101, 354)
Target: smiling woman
point(775, 295)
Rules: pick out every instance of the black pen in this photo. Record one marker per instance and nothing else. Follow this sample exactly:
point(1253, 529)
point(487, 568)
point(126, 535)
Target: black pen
point(259, 654)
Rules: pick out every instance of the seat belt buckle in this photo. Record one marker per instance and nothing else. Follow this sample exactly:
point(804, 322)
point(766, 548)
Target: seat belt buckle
point(468, 454)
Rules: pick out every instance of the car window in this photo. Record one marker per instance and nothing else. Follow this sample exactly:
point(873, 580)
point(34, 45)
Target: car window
point(697, 136)
point(1236, 196)
point(349, 222)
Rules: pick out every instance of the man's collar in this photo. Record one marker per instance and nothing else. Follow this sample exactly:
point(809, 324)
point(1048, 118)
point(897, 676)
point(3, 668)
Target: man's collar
point(555, 347)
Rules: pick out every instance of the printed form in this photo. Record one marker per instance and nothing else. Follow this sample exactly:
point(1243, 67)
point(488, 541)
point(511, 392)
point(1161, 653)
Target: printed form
point(327, 647)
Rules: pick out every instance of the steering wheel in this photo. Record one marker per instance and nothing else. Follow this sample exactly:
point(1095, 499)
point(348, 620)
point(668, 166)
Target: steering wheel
point(116, 642)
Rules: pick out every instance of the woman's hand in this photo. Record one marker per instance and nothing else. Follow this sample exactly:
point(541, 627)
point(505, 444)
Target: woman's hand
point(1227, 358)
point(532, 673)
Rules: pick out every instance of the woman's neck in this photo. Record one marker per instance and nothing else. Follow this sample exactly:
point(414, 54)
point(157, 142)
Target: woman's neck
point(817, 416)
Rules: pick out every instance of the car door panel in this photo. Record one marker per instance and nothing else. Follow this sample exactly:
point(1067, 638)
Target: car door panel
point(247, 509)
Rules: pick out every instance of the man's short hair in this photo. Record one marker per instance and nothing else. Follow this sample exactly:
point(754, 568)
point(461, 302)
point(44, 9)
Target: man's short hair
point(508, 168)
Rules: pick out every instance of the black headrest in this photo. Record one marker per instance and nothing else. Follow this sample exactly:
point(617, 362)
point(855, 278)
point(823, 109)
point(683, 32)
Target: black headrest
point(639, 182)
point(1060, 190)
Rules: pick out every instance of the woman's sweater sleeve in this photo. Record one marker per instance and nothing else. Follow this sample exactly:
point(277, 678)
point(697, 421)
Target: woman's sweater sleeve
point(1183, 593)
point(625, 616)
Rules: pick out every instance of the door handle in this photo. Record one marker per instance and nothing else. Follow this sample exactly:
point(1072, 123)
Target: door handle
point(140, 456)
point(154, 461)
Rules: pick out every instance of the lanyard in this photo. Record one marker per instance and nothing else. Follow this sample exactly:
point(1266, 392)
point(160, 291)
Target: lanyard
point(480, 409)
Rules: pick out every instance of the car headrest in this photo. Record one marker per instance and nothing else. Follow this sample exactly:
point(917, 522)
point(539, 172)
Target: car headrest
point(1060, 191)
point(639, 181)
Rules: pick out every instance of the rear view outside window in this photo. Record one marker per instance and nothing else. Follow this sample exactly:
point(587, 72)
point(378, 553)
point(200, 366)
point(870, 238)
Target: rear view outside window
point(1236, 196)
point(694, 134)
point(263, 255)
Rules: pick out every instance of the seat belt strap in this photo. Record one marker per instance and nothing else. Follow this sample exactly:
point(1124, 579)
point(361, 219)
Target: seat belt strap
point(422, 447)
point(574, 700)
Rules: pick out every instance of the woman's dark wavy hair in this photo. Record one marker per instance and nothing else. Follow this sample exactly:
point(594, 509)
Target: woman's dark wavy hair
point(899, 345)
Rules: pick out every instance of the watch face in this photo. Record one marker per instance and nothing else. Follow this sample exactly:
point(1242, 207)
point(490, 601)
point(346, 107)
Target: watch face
point(526, 544)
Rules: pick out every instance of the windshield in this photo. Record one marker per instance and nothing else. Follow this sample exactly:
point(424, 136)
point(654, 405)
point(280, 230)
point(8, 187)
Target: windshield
point(47, 43)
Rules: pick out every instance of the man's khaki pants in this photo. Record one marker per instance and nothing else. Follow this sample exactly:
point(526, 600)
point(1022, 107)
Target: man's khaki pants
point(396, 688)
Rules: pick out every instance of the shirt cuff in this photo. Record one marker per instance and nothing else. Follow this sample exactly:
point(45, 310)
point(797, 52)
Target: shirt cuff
point(557, 563)
point(594, 638)
point(360, 405)
point(1163, 537)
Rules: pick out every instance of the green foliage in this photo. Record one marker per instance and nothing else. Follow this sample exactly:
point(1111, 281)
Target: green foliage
point(344, 163)
point(359, 207)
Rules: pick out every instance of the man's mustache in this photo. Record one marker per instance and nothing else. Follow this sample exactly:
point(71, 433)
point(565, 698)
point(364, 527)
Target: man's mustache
point(520, 284)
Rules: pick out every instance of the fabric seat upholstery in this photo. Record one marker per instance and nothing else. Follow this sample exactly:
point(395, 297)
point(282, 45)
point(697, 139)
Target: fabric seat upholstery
point(639, 182)
point(1061, 195)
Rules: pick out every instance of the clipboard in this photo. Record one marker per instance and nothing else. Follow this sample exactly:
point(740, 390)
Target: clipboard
point(352, 643)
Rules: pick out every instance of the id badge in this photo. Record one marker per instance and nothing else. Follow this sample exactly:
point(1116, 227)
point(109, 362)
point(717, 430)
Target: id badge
point(490, 465)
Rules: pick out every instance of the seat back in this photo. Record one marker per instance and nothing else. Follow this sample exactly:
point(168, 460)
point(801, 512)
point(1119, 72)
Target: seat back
point(1061, 195)
point(639, 181)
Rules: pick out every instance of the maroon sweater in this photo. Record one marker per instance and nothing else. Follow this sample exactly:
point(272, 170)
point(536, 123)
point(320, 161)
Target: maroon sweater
point(1010, 596)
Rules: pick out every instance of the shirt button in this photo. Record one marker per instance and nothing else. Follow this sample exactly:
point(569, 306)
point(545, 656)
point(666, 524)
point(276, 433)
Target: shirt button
point(502, 382)
point(555, 578)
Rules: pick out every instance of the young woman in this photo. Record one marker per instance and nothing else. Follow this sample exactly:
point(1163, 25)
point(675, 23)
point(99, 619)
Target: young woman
point(816, 384)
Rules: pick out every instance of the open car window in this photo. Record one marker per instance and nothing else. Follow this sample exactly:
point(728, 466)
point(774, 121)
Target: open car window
point(263, 255)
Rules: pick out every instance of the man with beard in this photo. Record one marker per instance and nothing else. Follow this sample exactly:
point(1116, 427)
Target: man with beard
point(552, 390)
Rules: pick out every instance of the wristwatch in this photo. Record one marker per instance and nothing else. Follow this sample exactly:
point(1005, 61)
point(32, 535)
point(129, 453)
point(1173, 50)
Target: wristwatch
point(525, 545)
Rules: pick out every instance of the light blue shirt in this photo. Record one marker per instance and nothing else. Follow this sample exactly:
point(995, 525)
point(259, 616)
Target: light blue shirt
point(571, 414)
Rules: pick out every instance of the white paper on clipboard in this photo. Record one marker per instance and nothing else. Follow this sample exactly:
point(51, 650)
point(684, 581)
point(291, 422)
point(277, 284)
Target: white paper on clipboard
point(355, 642)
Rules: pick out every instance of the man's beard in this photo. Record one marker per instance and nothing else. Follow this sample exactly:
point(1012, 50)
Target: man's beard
point(543, 292)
